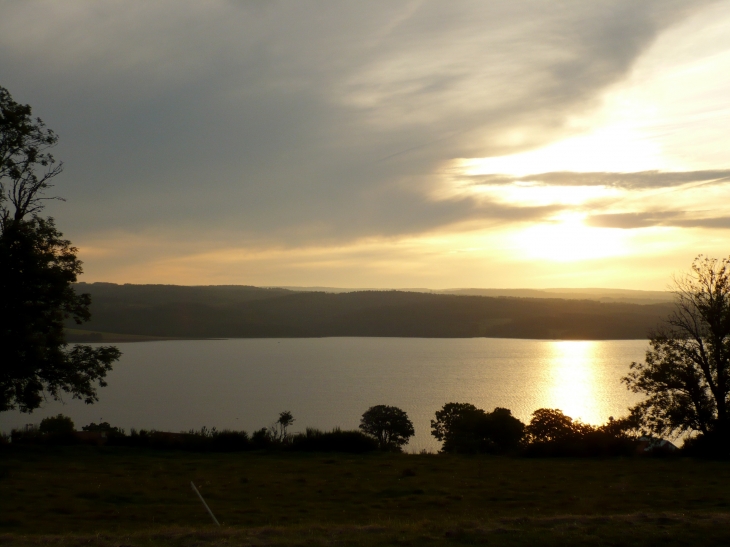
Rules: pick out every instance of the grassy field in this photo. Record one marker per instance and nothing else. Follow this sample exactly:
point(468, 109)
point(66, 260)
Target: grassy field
point(117, 496)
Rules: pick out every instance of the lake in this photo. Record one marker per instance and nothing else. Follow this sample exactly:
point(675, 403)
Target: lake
point(328, 382)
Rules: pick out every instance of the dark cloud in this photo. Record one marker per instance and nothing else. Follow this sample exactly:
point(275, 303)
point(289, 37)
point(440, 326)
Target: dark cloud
point(309, 121)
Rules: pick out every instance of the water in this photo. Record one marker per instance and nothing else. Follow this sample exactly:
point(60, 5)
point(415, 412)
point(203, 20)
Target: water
point(328, 382)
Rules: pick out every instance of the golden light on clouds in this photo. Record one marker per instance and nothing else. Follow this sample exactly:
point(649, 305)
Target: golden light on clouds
point(533, 194)
point(382, 150)
point(619, 147)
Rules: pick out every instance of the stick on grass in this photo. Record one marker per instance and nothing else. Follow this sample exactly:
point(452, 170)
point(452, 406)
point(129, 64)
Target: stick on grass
point(205, 504)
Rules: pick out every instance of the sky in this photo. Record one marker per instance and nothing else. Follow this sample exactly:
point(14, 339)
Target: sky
point(382, 144)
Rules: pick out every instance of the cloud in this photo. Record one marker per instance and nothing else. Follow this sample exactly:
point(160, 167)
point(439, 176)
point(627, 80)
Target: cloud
point(307, 122)
point(629, 181)
point(657, 218)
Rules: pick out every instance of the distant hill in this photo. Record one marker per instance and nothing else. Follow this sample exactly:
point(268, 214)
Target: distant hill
point(601, 295)
point(169, 311)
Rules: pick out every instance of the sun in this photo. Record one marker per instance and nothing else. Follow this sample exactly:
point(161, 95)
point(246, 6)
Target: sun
point(567, 239)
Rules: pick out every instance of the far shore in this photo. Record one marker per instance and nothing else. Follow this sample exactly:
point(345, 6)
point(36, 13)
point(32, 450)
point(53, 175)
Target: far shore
point(78, 336)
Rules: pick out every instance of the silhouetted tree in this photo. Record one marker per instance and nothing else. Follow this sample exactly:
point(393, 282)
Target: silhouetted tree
point(551, 425)
point(389, 425)
point(278, 431)
point(502, 431)
point(686, 373)
point(552, 433)
point(622, 428)
point(37, 269)
point(56, 424)
point(462, 427)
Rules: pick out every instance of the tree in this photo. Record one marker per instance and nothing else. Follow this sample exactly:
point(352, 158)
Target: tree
point(462, 427)
point(37, 269)
point(551, 425)
point(552, 433)
point(502, 431)
point(686, 373)
point(58, 424)
point(389, 425)
point(277, 431)
point(24, 151)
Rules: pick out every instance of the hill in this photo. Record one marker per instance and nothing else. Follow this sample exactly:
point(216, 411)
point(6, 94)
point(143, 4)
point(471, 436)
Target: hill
point(600, 294)
point(168, 311)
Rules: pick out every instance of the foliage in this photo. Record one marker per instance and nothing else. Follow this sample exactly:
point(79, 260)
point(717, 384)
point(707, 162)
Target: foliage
point(57, 424)
point(104, 427)
point(24, 151)
point(550, 425)
point(462, 427)
point(37, 269)
point(261, 438)
point(552, 433)
point(314, 440)
point(686, 373)
point(389, 425)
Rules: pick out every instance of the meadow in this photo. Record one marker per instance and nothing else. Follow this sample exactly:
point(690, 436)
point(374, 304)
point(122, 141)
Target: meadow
point(114, 496)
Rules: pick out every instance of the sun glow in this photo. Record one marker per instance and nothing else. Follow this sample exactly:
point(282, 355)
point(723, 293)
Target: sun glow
point(617, 147)
point(568, 239)
point(529, 194)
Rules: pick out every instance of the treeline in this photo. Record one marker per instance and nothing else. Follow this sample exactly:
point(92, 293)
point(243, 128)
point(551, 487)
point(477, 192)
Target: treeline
point(241, 312)
point(462, 428)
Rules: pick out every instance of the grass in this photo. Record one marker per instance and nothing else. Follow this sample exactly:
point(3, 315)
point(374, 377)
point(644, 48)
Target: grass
point(119, 496)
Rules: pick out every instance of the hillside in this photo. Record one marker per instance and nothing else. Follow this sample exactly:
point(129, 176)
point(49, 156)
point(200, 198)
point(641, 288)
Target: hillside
point(166, 311)
point(599, 294)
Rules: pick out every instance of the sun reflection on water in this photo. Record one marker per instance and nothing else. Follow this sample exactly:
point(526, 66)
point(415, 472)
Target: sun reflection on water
point(573, 382)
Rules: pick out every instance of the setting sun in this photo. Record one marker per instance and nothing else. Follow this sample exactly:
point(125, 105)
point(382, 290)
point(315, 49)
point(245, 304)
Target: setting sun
point(567, 239)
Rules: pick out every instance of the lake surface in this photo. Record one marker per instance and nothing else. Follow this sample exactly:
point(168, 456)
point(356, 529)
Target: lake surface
point(328, 382)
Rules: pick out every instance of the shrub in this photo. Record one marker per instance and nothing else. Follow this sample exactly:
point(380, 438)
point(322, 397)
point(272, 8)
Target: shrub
point(261, 439)
point(230, 441)
point(104, 427)
point(314, 440)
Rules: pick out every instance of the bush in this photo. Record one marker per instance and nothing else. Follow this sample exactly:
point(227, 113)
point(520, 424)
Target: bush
point(104, 427)
point(336, 440)
point(230, 441)
point(706, 446)
point(203, 440)
point(261, 438)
